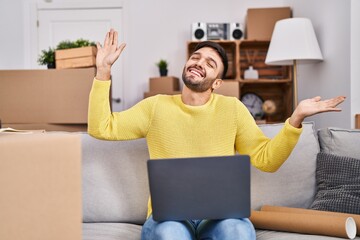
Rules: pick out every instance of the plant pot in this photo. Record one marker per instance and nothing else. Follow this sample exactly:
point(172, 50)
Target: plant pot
point(51, 65)
point(163, 72)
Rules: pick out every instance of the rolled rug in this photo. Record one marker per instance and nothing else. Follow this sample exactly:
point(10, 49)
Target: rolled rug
point(269, 208)
point(335, 226)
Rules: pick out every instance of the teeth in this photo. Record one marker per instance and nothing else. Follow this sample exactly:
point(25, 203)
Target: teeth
point(196, 73)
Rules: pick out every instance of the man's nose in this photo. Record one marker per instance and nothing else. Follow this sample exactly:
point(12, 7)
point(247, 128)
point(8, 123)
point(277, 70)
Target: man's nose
point(201, 62)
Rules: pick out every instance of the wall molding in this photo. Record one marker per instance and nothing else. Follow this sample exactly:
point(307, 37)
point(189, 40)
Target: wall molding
point(52, 5)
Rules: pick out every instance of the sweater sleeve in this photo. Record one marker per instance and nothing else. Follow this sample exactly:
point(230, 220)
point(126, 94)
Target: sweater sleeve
point(266, 154)
point(129, 124)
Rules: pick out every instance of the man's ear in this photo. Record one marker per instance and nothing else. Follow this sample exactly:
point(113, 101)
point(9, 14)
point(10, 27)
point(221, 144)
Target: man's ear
point(217, 83)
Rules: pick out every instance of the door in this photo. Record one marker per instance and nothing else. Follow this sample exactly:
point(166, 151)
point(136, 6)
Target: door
point(59, 24)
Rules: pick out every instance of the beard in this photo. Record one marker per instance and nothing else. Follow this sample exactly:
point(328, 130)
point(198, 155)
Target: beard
point(201, 86)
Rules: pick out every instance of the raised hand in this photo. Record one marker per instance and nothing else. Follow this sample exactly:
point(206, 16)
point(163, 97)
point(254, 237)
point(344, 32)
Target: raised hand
point(312, 106)
point(107, 55)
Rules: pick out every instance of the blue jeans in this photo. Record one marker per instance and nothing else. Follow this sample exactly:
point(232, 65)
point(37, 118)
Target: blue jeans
point(227, 229)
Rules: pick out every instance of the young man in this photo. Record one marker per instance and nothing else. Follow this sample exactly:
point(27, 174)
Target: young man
point(195, 123)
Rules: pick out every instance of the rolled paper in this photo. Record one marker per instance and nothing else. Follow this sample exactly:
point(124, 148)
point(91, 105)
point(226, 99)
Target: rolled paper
point(314, 212)
point(335, 226)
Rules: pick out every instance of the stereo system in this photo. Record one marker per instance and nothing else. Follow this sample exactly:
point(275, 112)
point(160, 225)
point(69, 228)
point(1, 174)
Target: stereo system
point(217, 31)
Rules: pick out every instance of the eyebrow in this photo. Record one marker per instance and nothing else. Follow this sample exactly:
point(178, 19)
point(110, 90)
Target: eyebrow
point(208, 58)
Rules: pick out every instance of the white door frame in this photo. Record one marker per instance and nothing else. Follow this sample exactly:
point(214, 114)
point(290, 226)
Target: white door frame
point(31, 8)
point(30, 21)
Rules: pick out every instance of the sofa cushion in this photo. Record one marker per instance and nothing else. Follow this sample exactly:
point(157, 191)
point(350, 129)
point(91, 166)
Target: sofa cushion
point(341, 142)
point(293, 185)
point(115, 183)
point(111, 231)
point(338, 182)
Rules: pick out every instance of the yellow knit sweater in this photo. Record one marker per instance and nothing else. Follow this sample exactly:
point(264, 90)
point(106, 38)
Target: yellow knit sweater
point(222, 126)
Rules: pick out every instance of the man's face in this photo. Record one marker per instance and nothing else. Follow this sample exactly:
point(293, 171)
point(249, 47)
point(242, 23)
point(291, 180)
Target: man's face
point(202, 69)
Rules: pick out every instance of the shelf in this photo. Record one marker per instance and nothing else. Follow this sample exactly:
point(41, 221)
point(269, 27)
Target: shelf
point(266, 81)
point(253, 53)
point(274, 83)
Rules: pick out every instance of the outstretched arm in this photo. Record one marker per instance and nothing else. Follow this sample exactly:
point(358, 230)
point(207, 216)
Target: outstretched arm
point(102, 122)
point(107, 55)
point(312, 106)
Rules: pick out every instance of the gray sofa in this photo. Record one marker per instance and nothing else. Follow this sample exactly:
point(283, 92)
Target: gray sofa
point(115, 187)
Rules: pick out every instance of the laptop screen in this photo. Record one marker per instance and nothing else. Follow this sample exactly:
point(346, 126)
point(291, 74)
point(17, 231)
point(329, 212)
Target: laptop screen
point(200, 188)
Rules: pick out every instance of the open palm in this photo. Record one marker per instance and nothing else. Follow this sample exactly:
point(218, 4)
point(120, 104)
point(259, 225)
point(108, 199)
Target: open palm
point(315, 105)
point(109, 52)
point(312, 106)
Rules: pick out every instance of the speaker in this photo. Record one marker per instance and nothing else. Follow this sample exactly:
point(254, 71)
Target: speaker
point(199, 31)
point(236, 31)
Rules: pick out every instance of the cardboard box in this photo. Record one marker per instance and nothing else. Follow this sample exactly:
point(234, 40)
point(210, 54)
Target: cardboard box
point(40, 182)
point(149, 94)
point(357, 121)
point(76, 62)
point(164, 84)
point(261, 21)
point(75, 57)
point(229, 88)
point(45, 96)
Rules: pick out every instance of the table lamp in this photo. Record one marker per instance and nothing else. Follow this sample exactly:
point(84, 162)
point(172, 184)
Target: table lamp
point(293, 41)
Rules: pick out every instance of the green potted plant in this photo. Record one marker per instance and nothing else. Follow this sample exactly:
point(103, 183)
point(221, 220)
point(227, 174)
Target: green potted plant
point(162, 64)
point(74, 44)
point(47, 57)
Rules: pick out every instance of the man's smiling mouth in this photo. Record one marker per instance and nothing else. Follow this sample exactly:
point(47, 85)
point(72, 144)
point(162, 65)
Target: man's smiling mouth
point(196, 72)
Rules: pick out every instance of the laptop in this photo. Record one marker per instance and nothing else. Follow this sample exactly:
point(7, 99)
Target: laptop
point(200, 188)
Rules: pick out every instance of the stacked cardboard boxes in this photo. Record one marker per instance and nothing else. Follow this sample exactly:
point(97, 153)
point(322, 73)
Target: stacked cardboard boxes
point(75, 57)
point(163, 85)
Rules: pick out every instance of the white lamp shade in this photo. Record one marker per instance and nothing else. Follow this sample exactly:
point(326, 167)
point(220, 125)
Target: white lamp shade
point(293, 39)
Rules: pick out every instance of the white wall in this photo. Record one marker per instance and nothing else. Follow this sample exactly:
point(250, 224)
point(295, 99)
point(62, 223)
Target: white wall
point(157, 29)
point(355, 60)
point(12, 34)
point(160, 29)
point(331, 20)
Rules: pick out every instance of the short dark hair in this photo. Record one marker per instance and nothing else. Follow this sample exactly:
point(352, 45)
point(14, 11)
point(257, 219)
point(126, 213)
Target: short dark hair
point(219, 49)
